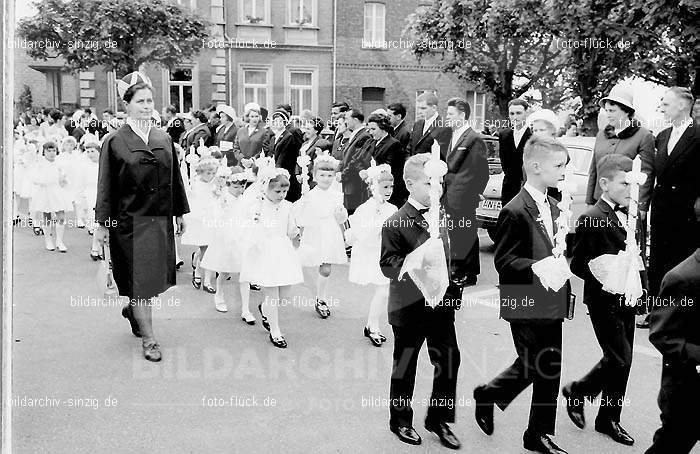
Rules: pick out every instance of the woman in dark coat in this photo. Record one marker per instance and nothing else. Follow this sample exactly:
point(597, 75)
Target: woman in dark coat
point(252, 139)
point(139, 190)
point(385, 149)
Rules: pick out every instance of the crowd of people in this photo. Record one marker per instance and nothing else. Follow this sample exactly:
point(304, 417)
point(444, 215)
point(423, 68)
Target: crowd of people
point(263, 195)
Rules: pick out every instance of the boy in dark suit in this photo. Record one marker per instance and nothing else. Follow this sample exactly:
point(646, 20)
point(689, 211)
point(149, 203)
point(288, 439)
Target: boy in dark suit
point(524, 236)
point(675, 332)
point(413, 321)
point(601, 230)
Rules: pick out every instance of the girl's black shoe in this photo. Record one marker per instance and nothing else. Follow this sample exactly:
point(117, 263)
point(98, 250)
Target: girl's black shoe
point(278, 342)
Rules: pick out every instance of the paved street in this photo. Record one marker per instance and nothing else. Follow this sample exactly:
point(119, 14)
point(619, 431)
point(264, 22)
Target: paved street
point(223, 388)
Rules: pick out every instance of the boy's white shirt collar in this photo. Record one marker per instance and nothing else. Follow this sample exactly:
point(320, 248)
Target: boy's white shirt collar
point(540, 197)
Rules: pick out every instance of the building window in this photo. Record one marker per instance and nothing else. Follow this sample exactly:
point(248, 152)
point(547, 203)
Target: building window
point(302, 87)
point(477, 102)
point(302, 12)
point(420, 92)
point(217, 11)
point(255, 85)
point(372, 99)
point(254, 11)
point(191, 4)
point(374, 25)
point(181, 89)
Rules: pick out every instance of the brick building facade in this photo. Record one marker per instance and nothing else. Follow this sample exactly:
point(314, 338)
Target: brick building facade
point(303, 52)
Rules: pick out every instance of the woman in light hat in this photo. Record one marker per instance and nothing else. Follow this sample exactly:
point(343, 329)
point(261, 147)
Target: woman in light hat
point(252, 139)
point(544, 122)
point(623, 134)
point(226, 132)
point(139, 191)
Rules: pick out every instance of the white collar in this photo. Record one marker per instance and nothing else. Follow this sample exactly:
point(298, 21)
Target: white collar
point(609, 202)
point(687, 122)
point(540, 197)
point(354, 133)
point(381, 140)
point(133, 124)
point(416, 204)
point(398, 125)
point(432, 119)
point(521, 131)
point(461, 130)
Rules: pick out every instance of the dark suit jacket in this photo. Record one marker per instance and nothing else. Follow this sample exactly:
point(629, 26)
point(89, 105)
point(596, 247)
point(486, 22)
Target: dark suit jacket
point(285, 151)
point(674, 332)
point(353, 161)
point(467, 172)
point(403, 135)
point(674, 228)
point(520, 242)
point(390, 152)
point(402, 233)
point(175, 129)
point(338, 148)
point(227, 136)
point(511, 162)
point(598, 231)
point(421, 143)
point(192, 137)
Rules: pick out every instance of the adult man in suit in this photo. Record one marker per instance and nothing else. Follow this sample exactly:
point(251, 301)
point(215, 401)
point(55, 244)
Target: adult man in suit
point(467, 176)
point(354, 189)
point(601, 230)
point(341, 132)
point(511, 142)
point(429, 128)
point(400, 131)
point(675, 332)
point(524, 236)
point(173, 125)
point(285, 146)
point(413, 321)
point(293, 129)
point(385, 149)
point(675, 173)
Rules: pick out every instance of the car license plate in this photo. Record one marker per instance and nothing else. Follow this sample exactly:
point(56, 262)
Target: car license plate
point(490, 205)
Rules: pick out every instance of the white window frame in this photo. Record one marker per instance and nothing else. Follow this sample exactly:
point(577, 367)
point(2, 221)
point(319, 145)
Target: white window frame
point(377, 35)
point(194, 83)
point(191, 4)
point(288, 70)
point(242, 68)
point(477, 117)
point(292, 16)
point(258, 4)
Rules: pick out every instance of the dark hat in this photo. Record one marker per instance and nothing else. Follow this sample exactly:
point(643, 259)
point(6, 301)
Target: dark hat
point(281, 113)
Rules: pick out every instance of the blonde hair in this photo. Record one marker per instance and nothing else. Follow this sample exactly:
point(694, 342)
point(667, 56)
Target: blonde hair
point(414, 168)
point(539, 146)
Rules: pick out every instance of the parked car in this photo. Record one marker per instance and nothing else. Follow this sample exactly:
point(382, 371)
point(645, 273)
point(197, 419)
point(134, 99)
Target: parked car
point(580, 151)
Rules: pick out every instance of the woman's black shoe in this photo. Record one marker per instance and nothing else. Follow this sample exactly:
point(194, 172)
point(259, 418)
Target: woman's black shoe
point(196, 281)
point(38, 231)
point(95, 257)
point(208, 288)
point(263, 320)
point(179, 264)
point(376, 338)
point(152, 352)
point(278, 342)
point(322, 309)
point(255, 287)
point(127, 314)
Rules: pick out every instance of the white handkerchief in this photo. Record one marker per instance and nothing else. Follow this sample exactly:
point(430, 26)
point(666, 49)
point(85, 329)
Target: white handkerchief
point(552, 272)
point(225, 145)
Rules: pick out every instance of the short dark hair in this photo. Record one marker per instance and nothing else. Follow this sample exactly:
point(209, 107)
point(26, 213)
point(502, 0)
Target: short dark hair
point(131, 91)
point(461, 104)
point(55, 114)
point(612, 163)
point(684, 93)
point(342, 105)
point(629, 111)
point(263, 114)
point(397, 109)
point(357, 113)
point(199, 115)
point(519, 102)
point(318, 124)
point(108, 111)
point(171, 109)
point(285, 107)
point(382, 122)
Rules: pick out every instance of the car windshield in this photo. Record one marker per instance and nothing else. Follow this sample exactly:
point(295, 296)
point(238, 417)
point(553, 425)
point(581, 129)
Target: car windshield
point(580, 160)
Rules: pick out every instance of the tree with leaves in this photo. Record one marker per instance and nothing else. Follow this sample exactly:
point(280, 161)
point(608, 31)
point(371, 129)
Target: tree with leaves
point(119, 35)
point(504, 46)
